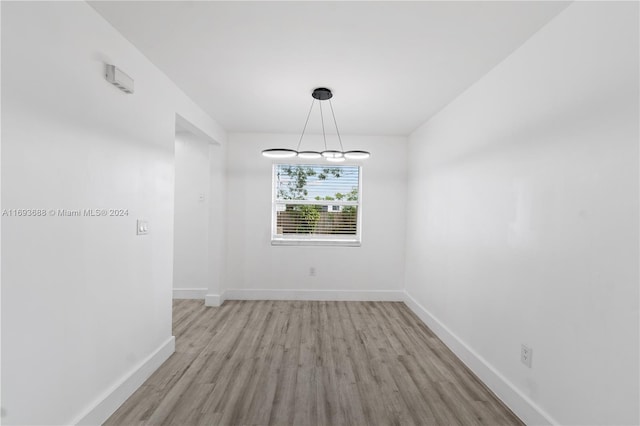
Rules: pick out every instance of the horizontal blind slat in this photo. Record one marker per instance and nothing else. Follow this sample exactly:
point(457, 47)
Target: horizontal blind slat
point(307, 206)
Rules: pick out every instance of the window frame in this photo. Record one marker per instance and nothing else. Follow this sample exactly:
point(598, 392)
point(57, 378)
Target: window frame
point(310, 239)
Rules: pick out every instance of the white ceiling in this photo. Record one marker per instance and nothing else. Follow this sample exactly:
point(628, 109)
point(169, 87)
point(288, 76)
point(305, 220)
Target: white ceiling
point(391, 65)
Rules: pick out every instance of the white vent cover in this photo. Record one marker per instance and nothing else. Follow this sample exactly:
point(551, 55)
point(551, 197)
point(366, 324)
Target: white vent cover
point(119, 79)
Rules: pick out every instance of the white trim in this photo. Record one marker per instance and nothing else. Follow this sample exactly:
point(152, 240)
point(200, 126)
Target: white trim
point(105, 405)
point(528, 411)
point(324, 295)
point(314, 242)
point(317, 202)
point(213, 300)
point(189, 293)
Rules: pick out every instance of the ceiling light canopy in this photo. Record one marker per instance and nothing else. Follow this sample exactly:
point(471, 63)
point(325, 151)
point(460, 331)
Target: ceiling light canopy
point(320, 94)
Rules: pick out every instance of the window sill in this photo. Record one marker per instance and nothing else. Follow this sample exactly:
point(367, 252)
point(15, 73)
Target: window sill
point(320, 243)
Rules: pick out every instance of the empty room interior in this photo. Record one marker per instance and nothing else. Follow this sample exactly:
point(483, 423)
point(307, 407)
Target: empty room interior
point(320, 213)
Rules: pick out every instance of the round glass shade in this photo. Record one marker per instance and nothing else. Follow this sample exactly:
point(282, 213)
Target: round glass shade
point(332, 154)
point(309, 154)
point(336, 159)
point(357, 155)
point(279, 153)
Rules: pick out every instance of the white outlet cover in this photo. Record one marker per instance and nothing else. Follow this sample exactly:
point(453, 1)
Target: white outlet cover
point(526, 353)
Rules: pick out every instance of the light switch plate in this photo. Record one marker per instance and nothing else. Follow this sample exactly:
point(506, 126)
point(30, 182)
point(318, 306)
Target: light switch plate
point(142, 227)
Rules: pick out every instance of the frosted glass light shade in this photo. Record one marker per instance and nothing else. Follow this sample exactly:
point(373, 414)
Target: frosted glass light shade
point(357, 155)
point(332, 154)
point(309, 154)
point(279, 153)
point(335, 159)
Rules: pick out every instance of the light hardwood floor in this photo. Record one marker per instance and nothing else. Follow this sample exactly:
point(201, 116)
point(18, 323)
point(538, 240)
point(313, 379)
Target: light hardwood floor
point(308, 363)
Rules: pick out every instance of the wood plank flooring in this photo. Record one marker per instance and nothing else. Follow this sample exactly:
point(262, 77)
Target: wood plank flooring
point(309, 363)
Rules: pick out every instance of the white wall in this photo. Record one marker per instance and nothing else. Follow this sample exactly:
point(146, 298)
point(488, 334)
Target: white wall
point(199, 221)
point(523, 218)
point(217, 235)
point(84, 300)
point(191, 217)
point(252, 263)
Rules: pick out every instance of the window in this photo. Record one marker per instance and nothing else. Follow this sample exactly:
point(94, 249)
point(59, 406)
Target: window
point(316, 204)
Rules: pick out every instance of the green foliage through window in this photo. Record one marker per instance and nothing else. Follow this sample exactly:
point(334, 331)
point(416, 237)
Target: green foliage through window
point(316, 200)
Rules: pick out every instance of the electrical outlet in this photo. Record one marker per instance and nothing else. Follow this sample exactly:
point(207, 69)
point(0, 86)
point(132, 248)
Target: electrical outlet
point(526, 353)
point(312, 271)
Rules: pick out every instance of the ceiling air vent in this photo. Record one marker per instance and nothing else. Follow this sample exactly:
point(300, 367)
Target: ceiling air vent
point(119, 79)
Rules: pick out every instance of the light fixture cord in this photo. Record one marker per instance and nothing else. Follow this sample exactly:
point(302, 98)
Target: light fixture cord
point(336, 124)
point(305, 125)
point(324, 136)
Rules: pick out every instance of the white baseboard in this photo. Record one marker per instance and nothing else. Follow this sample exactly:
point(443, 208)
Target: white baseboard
point(316, 295)
point(104, 406)
point(189, 293)
point(213, 300)
point(528, 411)
point(521, 405)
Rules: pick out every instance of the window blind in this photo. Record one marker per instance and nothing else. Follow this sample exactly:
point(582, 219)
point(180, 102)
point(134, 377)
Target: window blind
point(316, 202)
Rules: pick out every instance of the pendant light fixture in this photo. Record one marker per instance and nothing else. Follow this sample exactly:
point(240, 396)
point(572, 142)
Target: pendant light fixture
point(320, 94)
